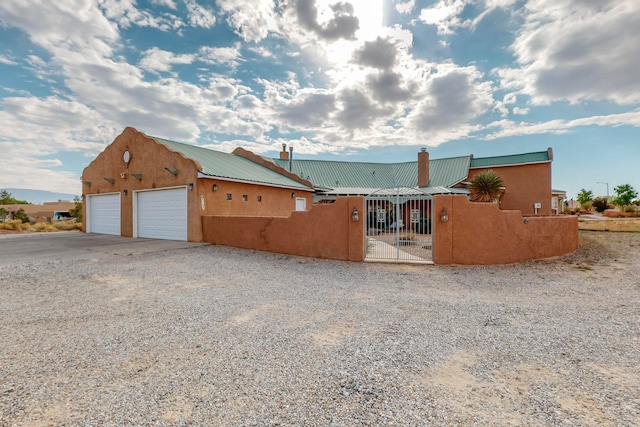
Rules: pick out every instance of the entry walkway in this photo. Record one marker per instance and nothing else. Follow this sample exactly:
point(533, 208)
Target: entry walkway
point(378, 251)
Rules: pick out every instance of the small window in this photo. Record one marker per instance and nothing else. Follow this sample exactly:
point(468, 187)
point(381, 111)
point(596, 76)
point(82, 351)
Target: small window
point(244, 198)
point(259, 198)
point(228, 196)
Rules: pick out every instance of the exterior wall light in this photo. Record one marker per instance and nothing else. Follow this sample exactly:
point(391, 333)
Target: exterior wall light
point(355, 215)
point(125, 192)
point(173, 171)
point(293, 195)
point(444, 215)
point(111, 180)
point(215, 187)
point(190, 186)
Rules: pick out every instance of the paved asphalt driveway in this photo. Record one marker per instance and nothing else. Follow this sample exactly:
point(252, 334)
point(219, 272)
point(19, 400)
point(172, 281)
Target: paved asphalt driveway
point(65, 245)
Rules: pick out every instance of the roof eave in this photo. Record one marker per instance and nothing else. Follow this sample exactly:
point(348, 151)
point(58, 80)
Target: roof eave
point(245, 181)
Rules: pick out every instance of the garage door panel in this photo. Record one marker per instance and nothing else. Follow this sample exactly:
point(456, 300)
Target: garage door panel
point(104, 214)
point(162, 214)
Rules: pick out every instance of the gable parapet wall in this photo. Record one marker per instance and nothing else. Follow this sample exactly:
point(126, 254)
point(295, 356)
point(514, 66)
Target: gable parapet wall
point(481, 233)
point(325, 231)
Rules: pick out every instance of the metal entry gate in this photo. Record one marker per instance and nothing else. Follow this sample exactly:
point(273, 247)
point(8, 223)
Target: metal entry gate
point(399, 225)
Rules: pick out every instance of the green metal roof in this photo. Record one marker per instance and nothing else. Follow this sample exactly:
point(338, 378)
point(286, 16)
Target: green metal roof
point(449, 171)
point(514, 159)
point(228, 166)
point(339, 174)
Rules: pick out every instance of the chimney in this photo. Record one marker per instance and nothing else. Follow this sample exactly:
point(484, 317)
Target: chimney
point(423, 168)
point(283, 154)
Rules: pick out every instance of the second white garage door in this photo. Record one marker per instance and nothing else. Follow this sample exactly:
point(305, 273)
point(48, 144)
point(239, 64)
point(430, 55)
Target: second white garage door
point(162, 214)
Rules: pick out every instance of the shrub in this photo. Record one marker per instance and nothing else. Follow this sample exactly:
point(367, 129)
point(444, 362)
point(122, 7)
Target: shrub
point(486, 186)
point(600, 204)
point(21, 215)
point(67, 225)
point(586, 206)
point(44, 227)
point(14, 224)
point(76, 212)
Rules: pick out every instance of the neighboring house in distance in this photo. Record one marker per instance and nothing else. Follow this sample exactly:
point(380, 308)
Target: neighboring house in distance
point(558, 201)
point(43, 212)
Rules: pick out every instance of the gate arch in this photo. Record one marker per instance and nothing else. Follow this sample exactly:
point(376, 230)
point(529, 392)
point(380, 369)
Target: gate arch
point(398, 225)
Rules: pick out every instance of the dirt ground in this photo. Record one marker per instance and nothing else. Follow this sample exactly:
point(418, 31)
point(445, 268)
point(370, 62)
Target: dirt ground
point(211, 335)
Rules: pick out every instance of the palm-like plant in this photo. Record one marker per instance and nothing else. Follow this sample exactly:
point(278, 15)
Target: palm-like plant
point(486, 186)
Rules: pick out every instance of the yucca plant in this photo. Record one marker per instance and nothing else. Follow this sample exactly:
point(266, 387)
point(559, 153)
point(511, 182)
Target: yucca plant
point(486, 186)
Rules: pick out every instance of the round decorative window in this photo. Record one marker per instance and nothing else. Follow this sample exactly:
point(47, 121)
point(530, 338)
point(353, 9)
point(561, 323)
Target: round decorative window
point(126, 156)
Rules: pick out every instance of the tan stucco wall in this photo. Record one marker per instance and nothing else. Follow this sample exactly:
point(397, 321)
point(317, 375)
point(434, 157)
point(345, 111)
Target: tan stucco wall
point(324, 231)
point(525, 185)
point(150, 159)
point(480, 233)
point(275, 201)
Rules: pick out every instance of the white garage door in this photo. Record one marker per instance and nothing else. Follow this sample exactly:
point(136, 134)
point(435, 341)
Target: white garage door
point(162, 214)
point(104, 214)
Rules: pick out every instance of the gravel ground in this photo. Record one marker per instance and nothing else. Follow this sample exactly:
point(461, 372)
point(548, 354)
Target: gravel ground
point(218, 336)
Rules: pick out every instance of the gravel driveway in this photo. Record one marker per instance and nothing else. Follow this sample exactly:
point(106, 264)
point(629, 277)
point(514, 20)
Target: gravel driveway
point(217, 336)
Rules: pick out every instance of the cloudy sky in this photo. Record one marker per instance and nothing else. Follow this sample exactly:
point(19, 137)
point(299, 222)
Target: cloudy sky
point(362, 80)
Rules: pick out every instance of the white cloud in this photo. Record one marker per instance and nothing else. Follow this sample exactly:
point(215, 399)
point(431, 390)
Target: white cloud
point(220, 55)
point(25, 170)
point(126, 14)
point(508, 128)
point(510, 98)
point(251, 20)
point(261, 50)
point(156, 59)
point(521, 111)
point(199, 16)
point(171, 4)
point(575, 51)
point(444, 15)
point(5, 60)
point(455, 98)
point(405, 7)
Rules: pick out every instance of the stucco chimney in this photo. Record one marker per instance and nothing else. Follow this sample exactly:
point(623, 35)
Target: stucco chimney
point(284, 155)
point(423, 168)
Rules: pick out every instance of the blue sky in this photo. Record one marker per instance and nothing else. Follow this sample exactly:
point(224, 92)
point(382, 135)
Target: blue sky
point(361, 80)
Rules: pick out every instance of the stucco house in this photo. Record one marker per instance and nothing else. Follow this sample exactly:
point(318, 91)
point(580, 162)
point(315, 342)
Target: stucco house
point(527, 177)
point(144, 186)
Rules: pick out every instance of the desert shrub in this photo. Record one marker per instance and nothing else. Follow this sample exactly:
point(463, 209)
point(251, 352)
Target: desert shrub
point(618, 214)
point(67, 225)
point(486, 186)
point(587, 206)
point(44, 227)
point(76, 212)
point(600, 204)
point(21, 215)
point(14, 224)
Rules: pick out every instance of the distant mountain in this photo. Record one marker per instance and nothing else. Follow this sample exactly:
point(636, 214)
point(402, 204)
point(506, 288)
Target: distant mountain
point(38, 196)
